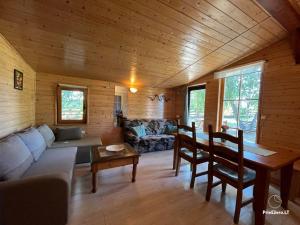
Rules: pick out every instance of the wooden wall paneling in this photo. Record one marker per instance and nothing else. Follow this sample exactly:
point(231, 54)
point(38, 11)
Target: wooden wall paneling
point(140, 106)
point(101, 104)
point(17, 107)
point(109, 39)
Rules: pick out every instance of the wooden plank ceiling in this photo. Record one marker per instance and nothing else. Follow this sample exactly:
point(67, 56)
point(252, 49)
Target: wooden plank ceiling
point(158, 43)
point(296, 5)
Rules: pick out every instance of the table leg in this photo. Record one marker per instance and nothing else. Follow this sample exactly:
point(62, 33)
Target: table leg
point(261, 191)
point(94, 181)
point(135, 162)
point(134, 172)
point(285, 184)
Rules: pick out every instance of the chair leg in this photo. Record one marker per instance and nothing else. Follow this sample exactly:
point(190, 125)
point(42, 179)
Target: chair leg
point(224, 187)
point(209, 185)
point(253, 203)
point(238, 205)
point(194, 171)
point(191, 167)
point(177, 165)
point(175, 155)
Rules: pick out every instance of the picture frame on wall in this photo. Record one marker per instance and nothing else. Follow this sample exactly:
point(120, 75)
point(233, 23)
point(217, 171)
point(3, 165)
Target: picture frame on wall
point(18, 80)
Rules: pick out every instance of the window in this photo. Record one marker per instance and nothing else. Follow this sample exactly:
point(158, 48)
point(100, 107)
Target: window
point(118, 105)
point(71, 105)
point(196, 106)
point(241, 100)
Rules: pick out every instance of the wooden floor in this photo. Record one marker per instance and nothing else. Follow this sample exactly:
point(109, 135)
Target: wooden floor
point(157, 198)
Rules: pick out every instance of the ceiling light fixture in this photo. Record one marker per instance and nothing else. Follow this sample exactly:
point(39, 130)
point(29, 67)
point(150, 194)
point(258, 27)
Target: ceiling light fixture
point(133, 90)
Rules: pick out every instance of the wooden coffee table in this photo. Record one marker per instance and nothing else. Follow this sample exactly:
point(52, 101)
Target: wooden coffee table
point(102, 159)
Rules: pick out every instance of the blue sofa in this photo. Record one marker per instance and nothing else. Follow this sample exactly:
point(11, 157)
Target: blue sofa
point(157, 136)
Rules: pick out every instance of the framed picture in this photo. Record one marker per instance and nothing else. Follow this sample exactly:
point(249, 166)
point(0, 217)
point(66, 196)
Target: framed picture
point(18, 80)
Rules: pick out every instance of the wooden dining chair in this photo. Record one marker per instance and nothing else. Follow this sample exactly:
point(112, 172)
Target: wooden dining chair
point(187, 149)
point(227, 164)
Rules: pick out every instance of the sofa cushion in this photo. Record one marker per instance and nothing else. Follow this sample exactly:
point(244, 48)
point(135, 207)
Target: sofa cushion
point(139, 131)
point(170, 129)
point(34, 142)
point(47, 134)
point(157, 137)
point(152, 126)
point(85, 141)
point(54, 161)
point(15, 158)
point(150, 143)
point(68, 133)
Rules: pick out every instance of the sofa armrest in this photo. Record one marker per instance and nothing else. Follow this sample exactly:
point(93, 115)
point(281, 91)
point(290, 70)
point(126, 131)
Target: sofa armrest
point(131, 137)
point(38, 200)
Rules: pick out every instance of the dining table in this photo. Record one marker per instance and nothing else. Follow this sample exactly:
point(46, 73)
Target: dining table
point(264, 160)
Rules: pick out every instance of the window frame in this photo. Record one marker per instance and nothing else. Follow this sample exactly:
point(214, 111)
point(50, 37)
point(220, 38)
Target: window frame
point(193, 88)
point(189, 90)
point(259, 112)
point(59, 90)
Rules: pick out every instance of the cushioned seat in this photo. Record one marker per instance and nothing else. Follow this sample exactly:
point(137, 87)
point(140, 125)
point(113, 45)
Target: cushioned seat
point(54, 161)
point(157, 137)
point(200, 154)
point(84, 146)
point(83, 142)
point(248, 173)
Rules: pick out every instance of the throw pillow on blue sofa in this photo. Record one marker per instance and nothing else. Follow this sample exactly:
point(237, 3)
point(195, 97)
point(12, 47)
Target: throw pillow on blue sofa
point(139, 130)
point(170, 129)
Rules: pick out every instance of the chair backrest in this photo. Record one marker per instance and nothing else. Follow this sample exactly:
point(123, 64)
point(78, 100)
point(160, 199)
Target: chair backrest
point(222, 153)
point(186, 137)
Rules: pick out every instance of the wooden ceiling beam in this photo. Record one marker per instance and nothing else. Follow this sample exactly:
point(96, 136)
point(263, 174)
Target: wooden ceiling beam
point(284, 12)
point(295, 43)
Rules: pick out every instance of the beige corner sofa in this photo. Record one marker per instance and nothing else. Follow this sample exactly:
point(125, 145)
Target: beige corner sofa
point(35, 177)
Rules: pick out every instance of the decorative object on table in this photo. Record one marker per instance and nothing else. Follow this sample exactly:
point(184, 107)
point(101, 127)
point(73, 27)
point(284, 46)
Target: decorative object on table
point(224, 129)
point(18, 80)
point(115, 148)
point(161, 98)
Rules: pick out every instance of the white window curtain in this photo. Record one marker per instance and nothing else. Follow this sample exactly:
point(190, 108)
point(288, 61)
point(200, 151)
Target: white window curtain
point(258, 66)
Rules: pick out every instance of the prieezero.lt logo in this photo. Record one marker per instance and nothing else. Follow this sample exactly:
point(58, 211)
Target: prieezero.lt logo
point(274, 201)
